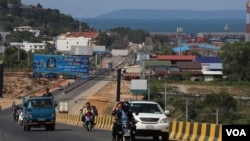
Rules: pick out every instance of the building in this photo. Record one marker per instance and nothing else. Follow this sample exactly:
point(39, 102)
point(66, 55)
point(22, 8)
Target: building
point(27, 46)
point(36, 31)
point(199, 68)
point(203, 49)
point(64, 42)
point(211, 67)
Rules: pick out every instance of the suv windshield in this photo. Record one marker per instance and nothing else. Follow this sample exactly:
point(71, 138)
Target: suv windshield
point(40, 103)
point(145, 108)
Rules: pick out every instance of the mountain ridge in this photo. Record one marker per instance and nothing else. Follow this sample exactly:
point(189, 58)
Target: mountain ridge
point(173, 14)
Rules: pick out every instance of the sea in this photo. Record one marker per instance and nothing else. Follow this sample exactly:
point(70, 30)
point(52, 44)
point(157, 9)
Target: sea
point(190, 26)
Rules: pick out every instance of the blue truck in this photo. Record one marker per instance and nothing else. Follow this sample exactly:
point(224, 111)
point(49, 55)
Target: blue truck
point(39, 112)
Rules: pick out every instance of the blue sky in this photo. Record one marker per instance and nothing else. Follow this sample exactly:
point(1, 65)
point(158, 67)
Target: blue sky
point(93, 8)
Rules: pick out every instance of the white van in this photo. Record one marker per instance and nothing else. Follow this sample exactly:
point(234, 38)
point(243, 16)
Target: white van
point(151, 119)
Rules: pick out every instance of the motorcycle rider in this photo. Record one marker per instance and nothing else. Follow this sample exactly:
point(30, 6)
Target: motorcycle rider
point(122, 113)
point(85, 110)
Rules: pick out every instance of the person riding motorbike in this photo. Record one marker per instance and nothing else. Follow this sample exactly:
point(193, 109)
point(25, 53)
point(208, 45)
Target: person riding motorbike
point(122, 114)
point(85, 110)
point(16, 112)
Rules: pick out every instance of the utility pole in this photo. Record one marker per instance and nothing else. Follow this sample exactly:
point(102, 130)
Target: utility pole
point(186, 109)
point(226, 29)
point(118, 89)
point(149, 84)
point(217, 115)
point(1, 79)
point(18, 53)
point(165, 105)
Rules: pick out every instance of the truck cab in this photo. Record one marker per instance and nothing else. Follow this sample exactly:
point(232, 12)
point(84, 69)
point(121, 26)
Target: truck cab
point(39, 112)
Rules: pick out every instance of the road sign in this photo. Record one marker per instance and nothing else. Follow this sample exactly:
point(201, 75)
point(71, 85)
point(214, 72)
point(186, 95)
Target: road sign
point(37, 75)
point(60, 64)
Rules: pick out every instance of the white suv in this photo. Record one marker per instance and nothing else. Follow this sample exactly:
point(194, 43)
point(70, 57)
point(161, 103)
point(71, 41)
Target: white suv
point(151, 119)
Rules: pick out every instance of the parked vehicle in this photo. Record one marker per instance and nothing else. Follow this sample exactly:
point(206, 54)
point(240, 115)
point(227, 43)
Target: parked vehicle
point(63, 107)
point(39, 112)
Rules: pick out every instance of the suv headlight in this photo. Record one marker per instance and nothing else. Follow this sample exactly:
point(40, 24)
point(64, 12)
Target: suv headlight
point(165, 120)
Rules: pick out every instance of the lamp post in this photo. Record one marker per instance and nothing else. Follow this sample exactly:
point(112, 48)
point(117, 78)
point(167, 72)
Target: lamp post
point(179, 31)
point(165, 99)
point(186, 109)
point(226, 29)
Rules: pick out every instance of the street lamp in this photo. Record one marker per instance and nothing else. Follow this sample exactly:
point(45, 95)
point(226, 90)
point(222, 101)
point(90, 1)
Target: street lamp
point(179, 31)
point(165, 99)
point(186, 109)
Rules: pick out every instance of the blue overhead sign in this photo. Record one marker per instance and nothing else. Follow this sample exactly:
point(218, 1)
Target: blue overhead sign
point(59, 64)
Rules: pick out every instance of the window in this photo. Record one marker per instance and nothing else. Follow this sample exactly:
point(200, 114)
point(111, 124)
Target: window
point(145, 108)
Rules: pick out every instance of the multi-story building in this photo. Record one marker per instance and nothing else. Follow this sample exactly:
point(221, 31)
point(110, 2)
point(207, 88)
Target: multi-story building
point(64, 42)
point(36, 31)
point(27, 46)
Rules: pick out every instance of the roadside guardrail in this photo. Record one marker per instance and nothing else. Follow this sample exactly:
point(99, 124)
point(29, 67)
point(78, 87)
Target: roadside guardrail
point(181, 131)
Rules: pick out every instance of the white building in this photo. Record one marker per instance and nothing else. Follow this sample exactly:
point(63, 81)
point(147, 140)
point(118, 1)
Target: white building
point(27, 46)
point(36, 31)
point(64, 42)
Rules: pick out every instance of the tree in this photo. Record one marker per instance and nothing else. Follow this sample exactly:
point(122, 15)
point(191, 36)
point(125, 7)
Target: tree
point(104, 39)
point(226, 104)
point(236, 61)
point(14, 58)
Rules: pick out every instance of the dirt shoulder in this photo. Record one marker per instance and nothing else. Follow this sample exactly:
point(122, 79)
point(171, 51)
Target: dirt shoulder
point(105, 98)
point(16, 87)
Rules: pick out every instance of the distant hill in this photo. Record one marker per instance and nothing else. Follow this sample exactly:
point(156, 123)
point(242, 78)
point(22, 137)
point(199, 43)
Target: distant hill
point(173, 14)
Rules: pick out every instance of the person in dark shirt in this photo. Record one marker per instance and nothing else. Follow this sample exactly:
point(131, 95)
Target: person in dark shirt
point(117, 111)
point(48, 93)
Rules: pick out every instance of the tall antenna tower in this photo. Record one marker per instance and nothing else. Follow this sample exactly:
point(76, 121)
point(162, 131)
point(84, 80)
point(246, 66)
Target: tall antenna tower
point(80, 16)
point(247, 32)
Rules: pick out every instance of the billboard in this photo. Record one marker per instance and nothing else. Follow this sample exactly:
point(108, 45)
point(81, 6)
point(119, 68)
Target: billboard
point(59, 64)
point(139, 86)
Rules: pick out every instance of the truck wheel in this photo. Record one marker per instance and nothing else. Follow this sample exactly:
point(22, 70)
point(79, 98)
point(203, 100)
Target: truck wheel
point(47, 128)
point(24, 127)
point(165, 136)
point(28, 127)
point(52, 127)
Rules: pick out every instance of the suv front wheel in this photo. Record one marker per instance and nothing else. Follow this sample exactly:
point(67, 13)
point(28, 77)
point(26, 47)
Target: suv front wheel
point(165, 136)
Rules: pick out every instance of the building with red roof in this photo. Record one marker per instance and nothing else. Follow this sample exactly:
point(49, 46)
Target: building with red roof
point(65, 41)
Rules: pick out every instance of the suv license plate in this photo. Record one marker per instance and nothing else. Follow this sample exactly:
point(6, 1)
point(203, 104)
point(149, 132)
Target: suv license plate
point(41, 119)
point(149, 126)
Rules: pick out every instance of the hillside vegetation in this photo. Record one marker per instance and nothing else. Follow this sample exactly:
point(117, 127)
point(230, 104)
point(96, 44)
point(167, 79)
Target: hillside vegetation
point(51, 20)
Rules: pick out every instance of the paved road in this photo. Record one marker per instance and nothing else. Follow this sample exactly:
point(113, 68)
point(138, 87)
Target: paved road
point(11, 131)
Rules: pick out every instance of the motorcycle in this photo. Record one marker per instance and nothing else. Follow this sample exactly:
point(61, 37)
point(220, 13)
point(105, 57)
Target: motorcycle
point(15, 113)
point(125, 132)
point(89, 122)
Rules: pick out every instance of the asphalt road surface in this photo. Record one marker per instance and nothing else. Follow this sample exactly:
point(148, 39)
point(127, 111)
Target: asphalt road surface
point(10, 130)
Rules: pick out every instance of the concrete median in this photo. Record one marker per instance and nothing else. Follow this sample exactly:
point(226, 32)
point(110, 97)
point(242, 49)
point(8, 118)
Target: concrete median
point(102, 122)
point(192, 131)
